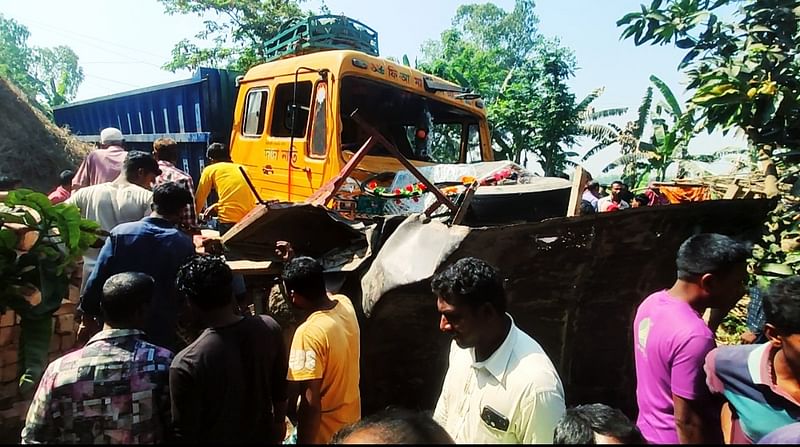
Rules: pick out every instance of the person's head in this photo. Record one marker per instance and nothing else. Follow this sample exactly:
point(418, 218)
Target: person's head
point(616, 189)
point(782, 312)
point(471, 300)
point(593, 187)
point(393, 426)
point(141, 168)
point(218, 152)
point(8, 183)
point(165, 149)
point(586, 208)
point(304, 280)
point(717, 265)
point(65, 179)
point(126, 298)
point(170, 199)
point(111, 136)
point(596, 424)
point(640, 200)
point(206, 282)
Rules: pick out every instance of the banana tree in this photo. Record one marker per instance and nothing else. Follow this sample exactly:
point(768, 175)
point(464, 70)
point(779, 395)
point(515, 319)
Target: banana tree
point(39, 245)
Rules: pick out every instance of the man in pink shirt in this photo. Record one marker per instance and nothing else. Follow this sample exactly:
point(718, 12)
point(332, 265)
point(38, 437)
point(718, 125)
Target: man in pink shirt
point(671, 341)
point(102, 165)
point(64, 189)
point(166, 151)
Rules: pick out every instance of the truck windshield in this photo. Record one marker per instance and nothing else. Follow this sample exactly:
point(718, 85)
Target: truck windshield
point(422, 128)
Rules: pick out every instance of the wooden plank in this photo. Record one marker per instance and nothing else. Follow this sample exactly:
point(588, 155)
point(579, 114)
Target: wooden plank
point(327, 191)
point(731, 192)
point(579, 180)
point(245, 267)
point(462, 210)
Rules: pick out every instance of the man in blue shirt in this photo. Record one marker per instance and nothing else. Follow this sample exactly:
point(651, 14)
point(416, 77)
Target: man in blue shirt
point(155, 246)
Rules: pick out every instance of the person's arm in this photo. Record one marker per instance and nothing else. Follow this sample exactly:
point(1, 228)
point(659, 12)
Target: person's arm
point(186, 405)
point(39, 426)
point(692, 402)
point(81, 178)
point(309, 412)
point(539, 415)
point(89, 305)
point(307, 362)
point(203, 190)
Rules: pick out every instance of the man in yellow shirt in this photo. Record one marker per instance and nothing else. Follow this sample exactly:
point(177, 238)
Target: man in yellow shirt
point(223, 175)
point(324, 357)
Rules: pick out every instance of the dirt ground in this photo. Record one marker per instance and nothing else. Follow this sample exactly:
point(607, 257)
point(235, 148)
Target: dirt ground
point(32, 148)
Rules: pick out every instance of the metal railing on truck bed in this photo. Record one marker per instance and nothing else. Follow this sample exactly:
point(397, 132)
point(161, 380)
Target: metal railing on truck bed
point(193, 112)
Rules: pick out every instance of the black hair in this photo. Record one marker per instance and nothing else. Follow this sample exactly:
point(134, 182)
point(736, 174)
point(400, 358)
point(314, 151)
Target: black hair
point(218, 152)
point(471, 281)
point(7, 182)
point(618, 182)
point(642, 199)
point(136, 160)
point(709, 253)
point(170, 198)
point(782, 305)
point(65, 177)
point(586, 208)
point(166, 149)
point(626, 195)
point(305, 276)
point(206, 281)
point(124, 294)
point(593, 185)
point(397, 426)
point(579, 425)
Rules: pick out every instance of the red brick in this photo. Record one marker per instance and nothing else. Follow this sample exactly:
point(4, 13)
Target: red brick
point(66, 308)
point(9, 372)
point(6, 336)
point(8, 318)
point(8, 356)
point(67, 342)
point(65, 324)
point(74, 294)
point(55, 343)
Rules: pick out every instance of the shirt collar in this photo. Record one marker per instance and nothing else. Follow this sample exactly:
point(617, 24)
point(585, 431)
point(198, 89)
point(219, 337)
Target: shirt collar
point(158, 221)
point(114, 333)
point(497, 363)
point(760, 364)
point(165, 163)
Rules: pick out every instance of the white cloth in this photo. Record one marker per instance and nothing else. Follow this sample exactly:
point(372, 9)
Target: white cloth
point(109, 204)
point(518, 381)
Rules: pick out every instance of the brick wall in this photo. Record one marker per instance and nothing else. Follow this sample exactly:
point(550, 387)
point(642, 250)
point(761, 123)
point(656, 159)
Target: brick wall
point(13, 405)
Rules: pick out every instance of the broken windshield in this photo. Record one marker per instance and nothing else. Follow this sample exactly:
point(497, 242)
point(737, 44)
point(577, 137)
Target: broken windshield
point(422, 128)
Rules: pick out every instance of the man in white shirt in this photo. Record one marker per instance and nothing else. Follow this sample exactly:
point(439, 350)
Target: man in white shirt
point(613, 201)
point(500, 386)
point(126, 199)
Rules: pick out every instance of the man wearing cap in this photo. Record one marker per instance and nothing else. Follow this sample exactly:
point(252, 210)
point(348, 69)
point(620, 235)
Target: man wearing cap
point(102, 165)
point(126, 199)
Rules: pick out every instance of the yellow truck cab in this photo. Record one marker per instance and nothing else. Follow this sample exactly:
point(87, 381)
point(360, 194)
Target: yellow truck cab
point(292, 129)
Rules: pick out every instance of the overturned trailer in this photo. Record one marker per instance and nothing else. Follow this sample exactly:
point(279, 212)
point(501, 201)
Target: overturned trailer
point(573, 282)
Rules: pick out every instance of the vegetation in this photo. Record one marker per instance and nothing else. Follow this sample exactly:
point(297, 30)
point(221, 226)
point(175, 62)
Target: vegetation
point(521, 75)
point(48, 76)
point(236, 32)
point(39, 245)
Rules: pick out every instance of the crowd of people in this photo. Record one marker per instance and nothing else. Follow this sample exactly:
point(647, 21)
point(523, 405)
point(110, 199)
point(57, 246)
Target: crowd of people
point(618, 197)
point(132, 380)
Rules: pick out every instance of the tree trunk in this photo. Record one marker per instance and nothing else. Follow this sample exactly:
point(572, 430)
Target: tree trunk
point(767, 166)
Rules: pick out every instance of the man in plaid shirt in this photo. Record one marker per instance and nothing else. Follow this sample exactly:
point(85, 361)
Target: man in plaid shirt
point(114, 390)
point(165, 150)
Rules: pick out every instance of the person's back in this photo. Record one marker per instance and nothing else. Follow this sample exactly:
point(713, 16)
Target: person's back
point(235, 198)
point(236, 367)
point(336, 333)
point(104, 164)
point(114, 390)
point(663, 327)
point(671, 341)
point(112, 203)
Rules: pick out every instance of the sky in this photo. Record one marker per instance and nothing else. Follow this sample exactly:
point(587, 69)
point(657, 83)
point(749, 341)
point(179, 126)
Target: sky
point(121, 45)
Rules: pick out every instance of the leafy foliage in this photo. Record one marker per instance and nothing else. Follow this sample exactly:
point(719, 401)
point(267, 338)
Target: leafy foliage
point(521, 75)
point(48, 76)
point(39, 244)
point(236, 33)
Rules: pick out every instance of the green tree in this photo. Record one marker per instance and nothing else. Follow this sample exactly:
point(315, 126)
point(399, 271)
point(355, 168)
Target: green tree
point(58, 74)
point(16, 57)
point(236, 33)
point(521, 75)
point(49, 76)
point(743, 72)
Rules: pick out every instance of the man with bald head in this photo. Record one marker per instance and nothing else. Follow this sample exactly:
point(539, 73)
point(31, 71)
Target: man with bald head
point(113, 390)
